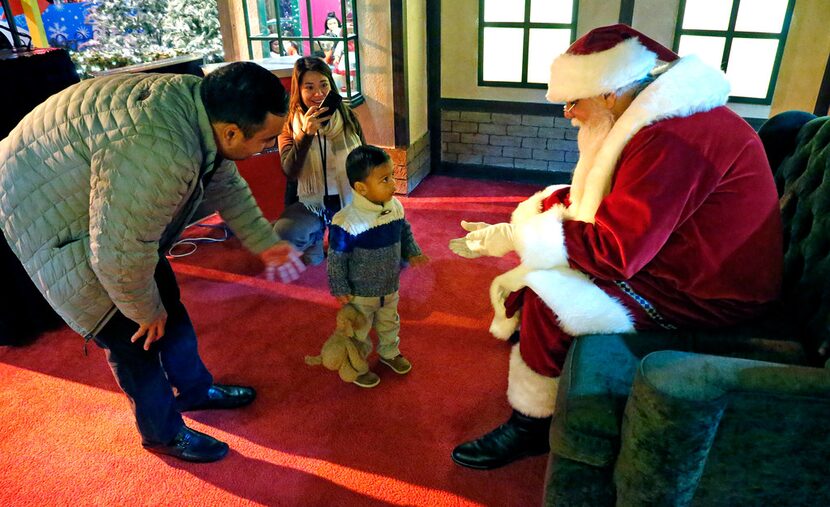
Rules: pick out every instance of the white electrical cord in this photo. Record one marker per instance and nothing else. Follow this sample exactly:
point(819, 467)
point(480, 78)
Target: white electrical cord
point(192, 243)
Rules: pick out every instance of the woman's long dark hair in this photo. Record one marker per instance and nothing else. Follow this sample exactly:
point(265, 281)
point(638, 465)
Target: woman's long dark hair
point(314, 64)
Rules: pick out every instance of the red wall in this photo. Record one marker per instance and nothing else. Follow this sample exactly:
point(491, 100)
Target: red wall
point(265, 177)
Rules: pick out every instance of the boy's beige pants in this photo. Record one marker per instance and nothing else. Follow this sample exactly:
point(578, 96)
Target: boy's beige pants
point(382, 314)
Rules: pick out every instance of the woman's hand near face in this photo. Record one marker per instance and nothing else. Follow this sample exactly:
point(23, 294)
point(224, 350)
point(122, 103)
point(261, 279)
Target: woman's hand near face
point(312, 120)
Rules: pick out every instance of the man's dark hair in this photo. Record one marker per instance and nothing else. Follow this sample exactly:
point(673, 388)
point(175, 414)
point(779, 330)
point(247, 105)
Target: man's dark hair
point(243, 93)
point(362, 160)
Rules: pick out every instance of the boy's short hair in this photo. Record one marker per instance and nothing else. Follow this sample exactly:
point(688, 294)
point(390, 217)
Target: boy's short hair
point(362, 160)
point(243, 93)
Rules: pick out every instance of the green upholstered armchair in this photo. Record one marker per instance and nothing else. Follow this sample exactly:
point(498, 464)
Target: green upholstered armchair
point(733, 417)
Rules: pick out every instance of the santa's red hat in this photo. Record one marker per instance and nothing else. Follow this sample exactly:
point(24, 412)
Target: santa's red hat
point(603, 60)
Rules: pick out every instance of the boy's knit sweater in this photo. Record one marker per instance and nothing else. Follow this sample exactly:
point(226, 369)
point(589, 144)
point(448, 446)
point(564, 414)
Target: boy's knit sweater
point(366, 244)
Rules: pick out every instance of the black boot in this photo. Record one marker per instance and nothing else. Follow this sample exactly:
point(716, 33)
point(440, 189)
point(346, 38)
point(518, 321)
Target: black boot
point(221, 396)
point(519, 437)
point(192, 445)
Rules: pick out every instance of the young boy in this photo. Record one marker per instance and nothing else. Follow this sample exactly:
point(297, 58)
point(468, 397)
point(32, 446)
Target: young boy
point(367, 241)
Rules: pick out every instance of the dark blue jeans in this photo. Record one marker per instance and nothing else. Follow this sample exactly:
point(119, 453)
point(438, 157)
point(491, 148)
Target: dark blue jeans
point(149, 378)
point(304, 229)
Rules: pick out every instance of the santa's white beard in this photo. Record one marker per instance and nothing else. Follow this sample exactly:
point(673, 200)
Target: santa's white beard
point(589, 140)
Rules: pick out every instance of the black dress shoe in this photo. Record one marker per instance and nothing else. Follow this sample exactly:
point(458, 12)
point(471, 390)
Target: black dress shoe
point(192, 445)
point(223, 396)
point(519, 437)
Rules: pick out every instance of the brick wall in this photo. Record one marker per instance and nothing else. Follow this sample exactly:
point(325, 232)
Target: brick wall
point(411, 165)
point(520, 141)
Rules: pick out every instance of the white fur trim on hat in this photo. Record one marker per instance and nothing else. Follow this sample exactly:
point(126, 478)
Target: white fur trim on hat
point(686, 87)
point(528, 392)
point(580, 76)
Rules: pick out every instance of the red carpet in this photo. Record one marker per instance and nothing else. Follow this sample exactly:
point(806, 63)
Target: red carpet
point(67, 435)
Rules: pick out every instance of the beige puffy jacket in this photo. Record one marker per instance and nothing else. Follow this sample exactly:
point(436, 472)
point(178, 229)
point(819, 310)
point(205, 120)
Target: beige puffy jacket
point(104, 175)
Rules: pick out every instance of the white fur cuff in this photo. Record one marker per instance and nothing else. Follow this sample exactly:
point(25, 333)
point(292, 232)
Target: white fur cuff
point(581, 307)
point(540, 240)
point(528, 392)
point(537, 236)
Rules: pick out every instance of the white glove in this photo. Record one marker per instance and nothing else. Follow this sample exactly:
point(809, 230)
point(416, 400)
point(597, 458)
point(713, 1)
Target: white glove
point(483, 239)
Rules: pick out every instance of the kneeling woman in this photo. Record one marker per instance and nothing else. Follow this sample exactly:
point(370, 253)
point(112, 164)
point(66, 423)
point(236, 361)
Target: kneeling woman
point(313, 148)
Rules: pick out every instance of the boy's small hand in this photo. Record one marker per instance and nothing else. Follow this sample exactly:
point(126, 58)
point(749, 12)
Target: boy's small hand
point(344, 299)
point(418, 260)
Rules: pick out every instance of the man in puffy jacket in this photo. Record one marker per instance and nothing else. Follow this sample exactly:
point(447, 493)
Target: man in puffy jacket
point(98, 181)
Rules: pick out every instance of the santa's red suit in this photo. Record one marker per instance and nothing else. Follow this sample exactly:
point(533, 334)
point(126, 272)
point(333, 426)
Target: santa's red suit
point(689, 234)
point(671, 222)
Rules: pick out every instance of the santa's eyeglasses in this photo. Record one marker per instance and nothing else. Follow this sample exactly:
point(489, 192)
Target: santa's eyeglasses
point(570, 105)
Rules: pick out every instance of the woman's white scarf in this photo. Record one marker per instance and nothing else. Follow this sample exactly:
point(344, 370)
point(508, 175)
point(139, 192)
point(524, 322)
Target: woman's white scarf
point(339, 142)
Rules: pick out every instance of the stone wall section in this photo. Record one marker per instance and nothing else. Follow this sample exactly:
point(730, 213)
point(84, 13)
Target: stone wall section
point(520, 141)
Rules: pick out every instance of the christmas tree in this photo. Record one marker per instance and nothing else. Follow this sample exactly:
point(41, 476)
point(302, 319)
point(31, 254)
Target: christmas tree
point(127, 32)
point(290, 21)
point(192, 26)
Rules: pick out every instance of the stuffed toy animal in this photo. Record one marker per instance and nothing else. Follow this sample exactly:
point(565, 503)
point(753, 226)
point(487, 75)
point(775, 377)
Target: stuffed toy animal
point(341, 352)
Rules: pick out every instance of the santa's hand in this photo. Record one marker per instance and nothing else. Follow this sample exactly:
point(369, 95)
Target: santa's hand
point(473, 226)
point(484, 239)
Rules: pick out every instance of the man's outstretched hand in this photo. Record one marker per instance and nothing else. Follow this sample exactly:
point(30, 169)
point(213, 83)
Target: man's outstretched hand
point(483, 239)
point(282, 261)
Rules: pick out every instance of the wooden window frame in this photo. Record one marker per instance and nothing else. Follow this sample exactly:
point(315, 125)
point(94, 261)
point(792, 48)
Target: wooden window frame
point(352, 97)
point(526, 25)
point(730, 34)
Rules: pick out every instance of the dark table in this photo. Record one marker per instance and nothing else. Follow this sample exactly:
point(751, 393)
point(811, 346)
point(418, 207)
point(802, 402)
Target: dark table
point(26, 79)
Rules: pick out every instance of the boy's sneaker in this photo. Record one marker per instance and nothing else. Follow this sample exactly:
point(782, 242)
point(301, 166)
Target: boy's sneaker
point(399, 364)
point(367, 380)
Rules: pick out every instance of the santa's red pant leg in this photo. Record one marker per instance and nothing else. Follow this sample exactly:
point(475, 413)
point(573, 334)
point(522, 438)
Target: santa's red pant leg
point(537, 361)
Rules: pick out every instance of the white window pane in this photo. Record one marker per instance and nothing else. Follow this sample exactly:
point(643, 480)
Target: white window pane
point(761, 16)
point(551, 11)
point(504, 10)
point(709, 49)
point(545, 45)
point(503, 54)
point(750, 66)
point(707, 14)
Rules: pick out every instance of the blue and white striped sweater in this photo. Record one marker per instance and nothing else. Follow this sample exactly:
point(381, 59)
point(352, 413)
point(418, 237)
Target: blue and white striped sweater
point(366, 244)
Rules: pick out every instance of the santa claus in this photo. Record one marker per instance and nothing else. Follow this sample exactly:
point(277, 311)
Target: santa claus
point(671, 221)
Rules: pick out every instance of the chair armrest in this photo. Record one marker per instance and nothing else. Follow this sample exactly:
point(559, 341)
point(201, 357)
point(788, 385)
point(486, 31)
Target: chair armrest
point(599, 370)
point(593, 389)
point(677, 410)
